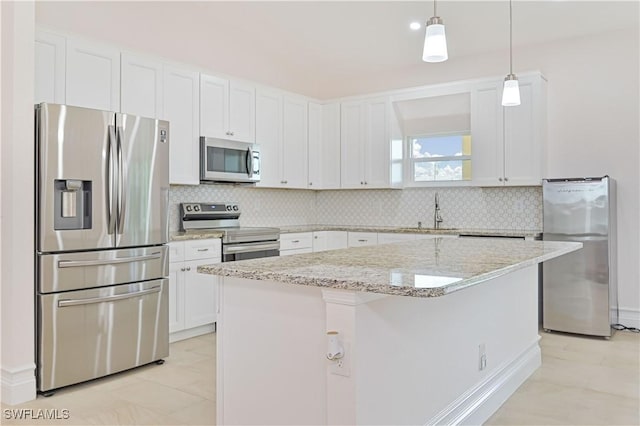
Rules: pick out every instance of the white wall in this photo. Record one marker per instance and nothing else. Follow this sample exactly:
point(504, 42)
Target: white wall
point(16, 211)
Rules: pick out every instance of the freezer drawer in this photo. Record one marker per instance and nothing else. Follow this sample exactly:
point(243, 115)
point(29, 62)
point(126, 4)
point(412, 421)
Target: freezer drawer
point(76, 271)
point(83, 335)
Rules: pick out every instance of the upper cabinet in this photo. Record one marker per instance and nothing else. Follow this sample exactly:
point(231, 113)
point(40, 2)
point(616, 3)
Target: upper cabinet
point(324, 146)
point(141, 86)
point(509, 142)
point(50, 65)
point(227, 109)
point(365, 135)
point(181, 106)
point(92, 75)
point(281, 132)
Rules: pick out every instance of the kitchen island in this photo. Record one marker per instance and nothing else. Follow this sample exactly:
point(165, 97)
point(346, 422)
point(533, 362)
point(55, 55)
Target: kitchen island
point(437, 331)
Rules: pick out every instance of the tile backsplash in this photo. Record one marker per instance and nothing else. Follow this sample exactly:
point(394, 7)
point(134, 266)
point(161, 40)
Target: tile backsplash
point(517, 208)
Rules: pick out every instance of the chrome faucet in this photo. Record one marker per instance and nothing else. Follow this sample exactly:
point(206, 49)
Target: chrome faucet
point(437, 219)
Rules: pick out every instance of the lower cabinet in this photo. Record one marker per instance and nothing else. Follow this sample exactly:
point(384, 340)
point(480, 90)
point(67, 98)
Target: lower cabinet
point(192, 296)
point(359, 239)
point(329, 240)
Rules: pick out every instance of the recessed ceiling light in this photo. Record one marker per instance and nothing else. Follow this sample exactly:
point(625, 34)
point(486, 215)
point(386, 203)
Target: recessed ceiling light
point(415, 26)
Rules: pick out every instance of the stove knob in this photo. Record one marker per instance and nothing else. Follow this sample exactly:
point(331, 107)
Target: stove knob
point(196, 208)
point(188, 208)
point(229, 207)
point(235, 208)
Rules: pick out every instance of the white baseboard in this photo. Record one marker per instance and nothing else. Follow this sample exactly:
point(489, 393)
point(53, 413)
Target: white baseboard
point(191, 332)
point(629, 317)
point(479, 403)
point(18, 385)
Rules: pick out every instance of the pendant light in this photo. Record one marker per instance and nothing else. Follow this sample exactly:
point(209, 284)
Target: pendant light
point(511, 91)
point(435, 40)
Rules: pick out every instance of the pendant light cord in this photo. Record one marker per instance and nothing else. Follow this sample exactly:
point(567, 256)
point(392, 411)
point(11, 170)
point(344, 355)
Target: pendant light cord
point(434, 8)
point(510, 39)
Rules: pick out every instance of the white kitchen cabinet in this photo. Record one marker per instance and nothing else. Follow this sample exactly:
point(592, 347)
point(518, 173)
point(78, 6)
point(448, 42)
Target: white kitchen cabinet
point(141, 82)
point(227, 109)
point(329, 240)
point(394, 237)
point(92, 75)
point(192, 296)
point(181, 108)
point(281, 129)
point(294, 143)
point(296, 243)
point(50, 66)
point(360, 239)
point(324, 146)
point(366, 143)
point(508, 143)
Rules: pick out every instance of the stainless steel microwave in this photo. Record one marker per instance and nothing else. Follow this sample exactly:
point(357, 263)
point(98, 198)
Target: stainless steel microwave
point(223, 160)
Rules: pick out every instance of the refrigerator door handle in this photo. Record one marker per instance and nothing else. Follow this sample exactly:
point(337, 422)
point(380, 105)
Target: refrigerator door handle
point(98, 262)
point(75, 302)
point(111, 216)
point(122, 206)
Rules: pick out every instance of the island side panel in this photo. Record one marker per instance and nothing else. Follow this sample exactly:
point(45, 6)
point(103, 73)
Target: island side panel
point(418, 358)
point(271, 353)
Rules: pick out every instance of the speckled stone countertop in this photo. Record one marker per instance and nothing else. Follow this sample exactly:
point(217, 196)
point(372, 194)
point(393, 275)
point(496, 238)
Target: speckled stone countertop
point(415, 230)
point(194, 235)
point(424, 268)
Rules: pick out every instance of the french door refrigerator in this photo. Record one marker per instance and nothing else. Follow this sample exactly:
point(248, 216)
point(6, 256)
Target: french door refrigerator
point(579, 290)
point(101, 243)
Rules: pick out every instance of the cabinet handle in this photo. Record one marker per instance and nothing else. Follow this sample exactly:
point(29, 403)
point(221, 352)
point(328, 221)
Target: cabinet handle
point(506, 179)
point(310, 183)
point(365, 182)
point(228, 133)
point(286, 181)
point(362, 241)
point(500, 179)
point(204, 249)
point(295, 241)
point(231, 133)
point(188, 268)
point(182, 269)
point(315, 236)
point(361, 183)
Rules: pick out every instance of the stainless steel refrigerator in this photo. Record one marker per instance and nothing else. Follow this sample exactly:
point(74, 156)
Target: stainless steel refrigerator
point(579, 290)
point(101, 243)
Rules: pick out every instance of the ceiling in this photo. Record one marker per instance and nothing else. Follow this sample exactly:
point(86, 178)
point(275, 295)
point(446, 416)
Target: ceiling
point(305, 45)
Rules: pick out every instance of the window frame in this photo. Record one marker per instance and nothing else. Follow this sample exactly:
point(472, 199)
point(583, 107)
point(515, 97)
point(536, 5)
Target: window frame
point(410, 163)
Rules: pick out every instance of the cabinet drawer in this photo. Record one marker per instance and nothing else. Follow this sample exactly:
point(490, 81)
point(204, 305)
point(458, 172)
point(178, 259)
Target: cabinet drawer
point(359, 239)
point(202, 249)
point(296, 241)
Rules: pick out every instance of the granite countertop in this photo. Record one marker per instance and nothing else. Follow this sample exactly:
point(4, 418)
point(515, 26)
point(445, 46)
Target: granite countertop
point(194, 235)
point(414, 230)
point(424, 268)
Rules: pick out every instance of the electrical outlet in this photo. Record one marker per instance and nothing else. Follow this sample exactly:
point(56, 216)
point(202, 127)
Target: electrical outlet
point(341, 366)
point(482, 357)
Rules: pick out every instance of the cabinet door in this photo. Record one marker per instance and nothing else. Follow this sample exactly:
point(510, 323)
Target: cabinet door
point(242, 112)
point(330, 158)
point(141, 91)
point(377, 151)
point(269, 137)
point(329, 240)
point(314, 142)
point(487, 136)
point(200, 292)
point(214, 107)
point(351, 142)
point(522, 144)
point(176, 296)
point(181, 102)
point(294, 143)
point(50, 57)
point(93, 75)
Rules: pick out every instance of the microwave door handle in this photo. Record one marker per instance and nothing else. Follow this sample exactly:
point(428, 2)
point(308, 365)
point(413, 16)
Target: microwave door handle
point(250, 162)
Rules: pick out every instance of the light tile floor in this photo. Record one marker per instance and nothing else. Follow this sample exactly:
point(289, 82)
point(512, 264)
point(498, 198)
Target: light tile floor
point(582, 381)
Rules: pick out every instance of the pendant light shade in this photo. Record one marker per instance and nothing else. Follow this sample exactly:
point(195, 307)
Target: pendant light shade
point(435, 40)
point(511, 90)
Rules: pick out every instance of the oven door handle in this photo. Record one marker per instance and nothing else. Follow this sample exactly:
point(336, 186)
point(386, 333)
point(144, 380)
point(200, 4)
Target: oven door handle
point(247, 248)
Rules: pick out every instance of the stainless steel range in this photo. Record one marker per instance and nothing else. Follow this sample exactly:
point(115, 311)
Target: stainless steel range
point(238, 242)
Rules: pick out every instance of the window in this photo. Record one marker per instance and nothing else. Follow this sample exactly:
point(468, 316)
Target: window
point(440, 157)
